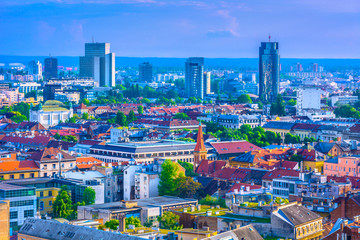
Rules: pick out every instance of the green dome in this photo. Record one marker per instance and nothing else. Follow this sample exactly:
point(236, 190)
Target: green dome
point(54, 102)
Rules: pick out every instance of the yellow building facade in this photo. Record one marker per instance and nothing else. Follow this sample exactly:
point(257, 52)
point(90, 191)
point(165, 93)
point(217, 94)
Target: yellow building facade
point(46, 198)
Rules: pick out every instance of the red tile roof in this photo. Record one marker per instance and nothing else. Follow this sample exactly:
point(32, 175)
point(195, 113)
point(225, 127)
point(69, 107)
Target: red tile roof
point(234, 147)
point(238, 186)
point(207, 167)
point(87, 162)
point(50, 154)
point(37, 140)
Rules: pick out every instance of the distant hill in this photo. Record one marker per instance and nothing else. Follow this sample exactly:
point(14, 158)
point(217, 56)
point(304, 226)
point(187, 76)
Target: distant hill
point(228, 63)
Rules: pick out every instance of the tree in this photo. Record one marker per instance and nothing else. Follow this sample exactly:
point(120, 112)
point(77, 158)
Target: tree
point(72, 120)
point(121, 119)
point(182, 116)
point(101, 227)
point(187, 187)
point(112, 224)
point(62, 206)
point(57, 136)
point(296, 158)
point(347, 111)
point(212, 201)
point(131, 117)
point(291, 102)
point(89, 196)
point(168, 178)
point(278, 107)
point(244, 98)
point(186, 139)
point(18, 117)
point(289, 138)
point(140, 109)
point(69, 138)
point(192, 100)
point(189, 168)
point(86, 102)
point(169, 220)
point(85, 116)
point(132, 221)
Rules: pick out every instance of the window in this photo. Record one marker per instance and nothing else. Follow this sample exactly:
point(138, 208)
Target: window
point(50, 203)
point(28, 213)
point(14, 215)
point(11, 176)
point(41, 205)
point(22, 176)
point(22, 203)
point(13, 224)
point(50, 193)
point(41, 194)
point(32, 175)
point(54, 166)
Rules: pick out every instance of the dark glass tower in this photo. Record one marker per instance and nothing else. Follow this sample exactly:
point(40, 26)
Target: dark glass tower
point(194, 77)
point(269, 71)
point(145, 72)
point(51, 68)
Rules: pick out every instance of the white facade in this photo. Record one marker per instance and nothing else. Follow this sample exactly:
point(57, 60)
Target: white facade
point(129, 180)
point(50, 118)
point(343, 100)
point(308, 98)
point(146, 184)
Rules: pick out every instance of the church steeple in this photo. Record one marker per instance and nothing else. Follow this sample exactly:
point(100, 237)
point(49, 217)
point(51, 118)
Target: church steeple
point(200, 150)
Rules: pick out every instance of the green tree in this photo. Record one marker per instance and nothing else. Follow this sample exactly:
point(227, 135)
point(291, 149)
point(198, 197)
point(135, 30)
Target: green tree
point(187, 187)
point(121, 119)
point(131, 117)
point(189, 168)
point(291, 102)
point(140, 109)
point(62, 206)
point(132, 221)
point(192, 100)
point(347, 111)
point(18, 117)
point(57, 136)
point(244, 98)
point(186, 139)
point(296, 158)
point(89, 196)
point(291, 139)
point(72, 120)
point(169, 220)
point(112, 224)
point(182, 116)
point(69, 138)
point(85, 116)
point(278, 107)
point(101, 227)
point(168, 178)
point(86, 102)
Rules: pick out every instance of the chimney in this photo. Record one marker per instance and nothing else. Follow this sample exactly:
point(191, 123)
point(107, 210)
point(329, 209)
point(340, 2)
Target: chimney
point(342, 207)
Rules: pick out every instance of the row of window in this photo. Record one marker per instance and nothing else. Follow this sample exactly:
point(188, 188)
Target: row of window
point(21, 203)
point(42, 205)
point(49, 194)
point(27, 213)
point(22, 176)
point(17, 193)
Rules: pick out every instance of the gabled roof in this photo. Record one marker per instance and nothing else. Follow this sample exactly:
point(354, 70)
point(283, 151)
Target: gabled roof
point(279, 125)
point(244, 158)
point(324, 147)
point(234, 147)
point(50, 154)
point(60, 144)
point(87, 162)
point(210, 166)
point(298, 215)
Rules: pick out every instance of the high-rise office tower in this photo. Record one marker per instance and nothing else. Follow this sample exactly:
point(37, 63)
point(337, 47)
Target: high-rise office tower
point(98, 63)
point(194, 77)
point(51, 68)
point(35, 68)
point(269, 71)
point(299, 67)
point(145, 72)
point(207, 83)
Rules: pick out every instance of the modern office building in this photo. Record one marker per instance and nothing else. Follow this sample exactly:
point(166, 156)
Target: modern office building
point(51, 68)
point(35, 68)
point(98, 63)
point(22, 202)
point(145, 72)
point(207, 83)
point(269, 71)
point(50, 90)
point(194, 77)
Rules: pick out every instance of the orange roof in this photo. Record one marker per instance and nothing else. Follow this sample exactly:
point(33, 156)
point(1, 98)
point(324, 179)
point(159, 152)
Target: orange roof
point(14, 166)
point(87, 162)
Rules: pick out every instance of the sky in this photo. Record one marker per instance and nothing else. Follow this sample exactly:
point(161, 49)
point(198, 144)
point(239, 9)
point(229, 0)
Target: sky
point(181, 28)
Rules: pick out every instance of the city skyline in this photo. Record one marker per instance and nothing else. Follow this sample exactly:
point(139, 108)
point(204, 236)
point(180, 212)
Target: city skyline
point(154, 28)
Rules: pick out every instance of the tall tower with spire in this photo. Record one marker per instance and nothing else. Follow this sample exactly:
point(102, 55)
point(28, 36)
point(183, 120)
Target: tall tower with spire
point(200, 150)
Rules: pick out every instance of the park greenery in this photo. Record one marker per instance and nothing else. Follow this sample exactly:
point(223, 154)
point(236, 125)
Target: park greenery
point(67, 138)
point(112, 224)
point(122, 119)
point(244, 98)
point(181, 116)
point(18, 113)
point(132, 221)
point(213, 201)
point(347, 111)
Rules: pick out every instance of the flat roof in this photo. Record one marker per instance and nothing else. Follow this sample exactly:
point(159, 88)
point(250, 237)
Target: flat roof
point(6, 187)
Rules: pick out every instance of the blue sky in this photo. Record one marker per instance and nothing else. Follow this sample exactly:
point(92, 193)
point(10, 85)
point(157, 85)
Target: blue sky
point(181, 28)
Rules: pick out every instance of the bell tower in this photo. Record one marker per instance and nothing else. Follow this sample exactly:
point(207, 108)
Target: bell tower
point(200, 150)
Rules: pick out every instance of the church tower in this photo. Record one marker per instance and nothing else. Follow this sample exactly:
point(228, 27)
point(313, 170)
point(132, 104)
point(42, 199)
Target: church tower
point(200, 150)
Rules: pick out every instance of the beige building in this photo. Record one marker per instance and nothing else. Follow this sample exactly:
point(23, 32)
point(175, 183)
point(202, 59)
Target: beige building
point(4, 220)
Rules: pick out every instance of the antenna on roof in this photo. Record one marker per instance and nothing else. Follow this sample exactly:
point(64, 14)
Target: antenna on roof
point(269, 37)
point(93, 39)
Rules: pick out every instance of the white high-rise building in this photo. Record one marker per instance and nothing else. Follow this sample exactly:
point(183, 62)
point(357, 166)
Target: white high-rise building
point(35, 68)
point(308, 97)
point(98, 63)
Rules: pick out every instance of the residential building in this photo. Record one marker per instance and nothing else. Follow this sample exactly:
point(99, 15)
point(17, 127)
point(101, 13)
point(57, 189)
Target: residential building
point(146, 184)
point(51, 113)
point(308, 97)
point(145, 72)
point(343, 229)
point(342, 166)
point(207, 83)
point(278, 127)
point(53, 161)
point(348, 207)
point(18, 169)
point(236, 121)
point(269, 71)
point(342, 100)
point(26, 87)
point(22, 202)
point(296, 222)
point(194, 77)
point(51, 68)
point(246, 232)
point(99, 64)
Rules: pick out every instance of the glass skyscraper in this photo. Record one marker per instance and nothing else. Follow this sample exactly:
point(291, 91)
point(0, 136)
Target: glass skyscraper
point(98, 63)
point(194, 77)
point(269, 71)
point(145, 72)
